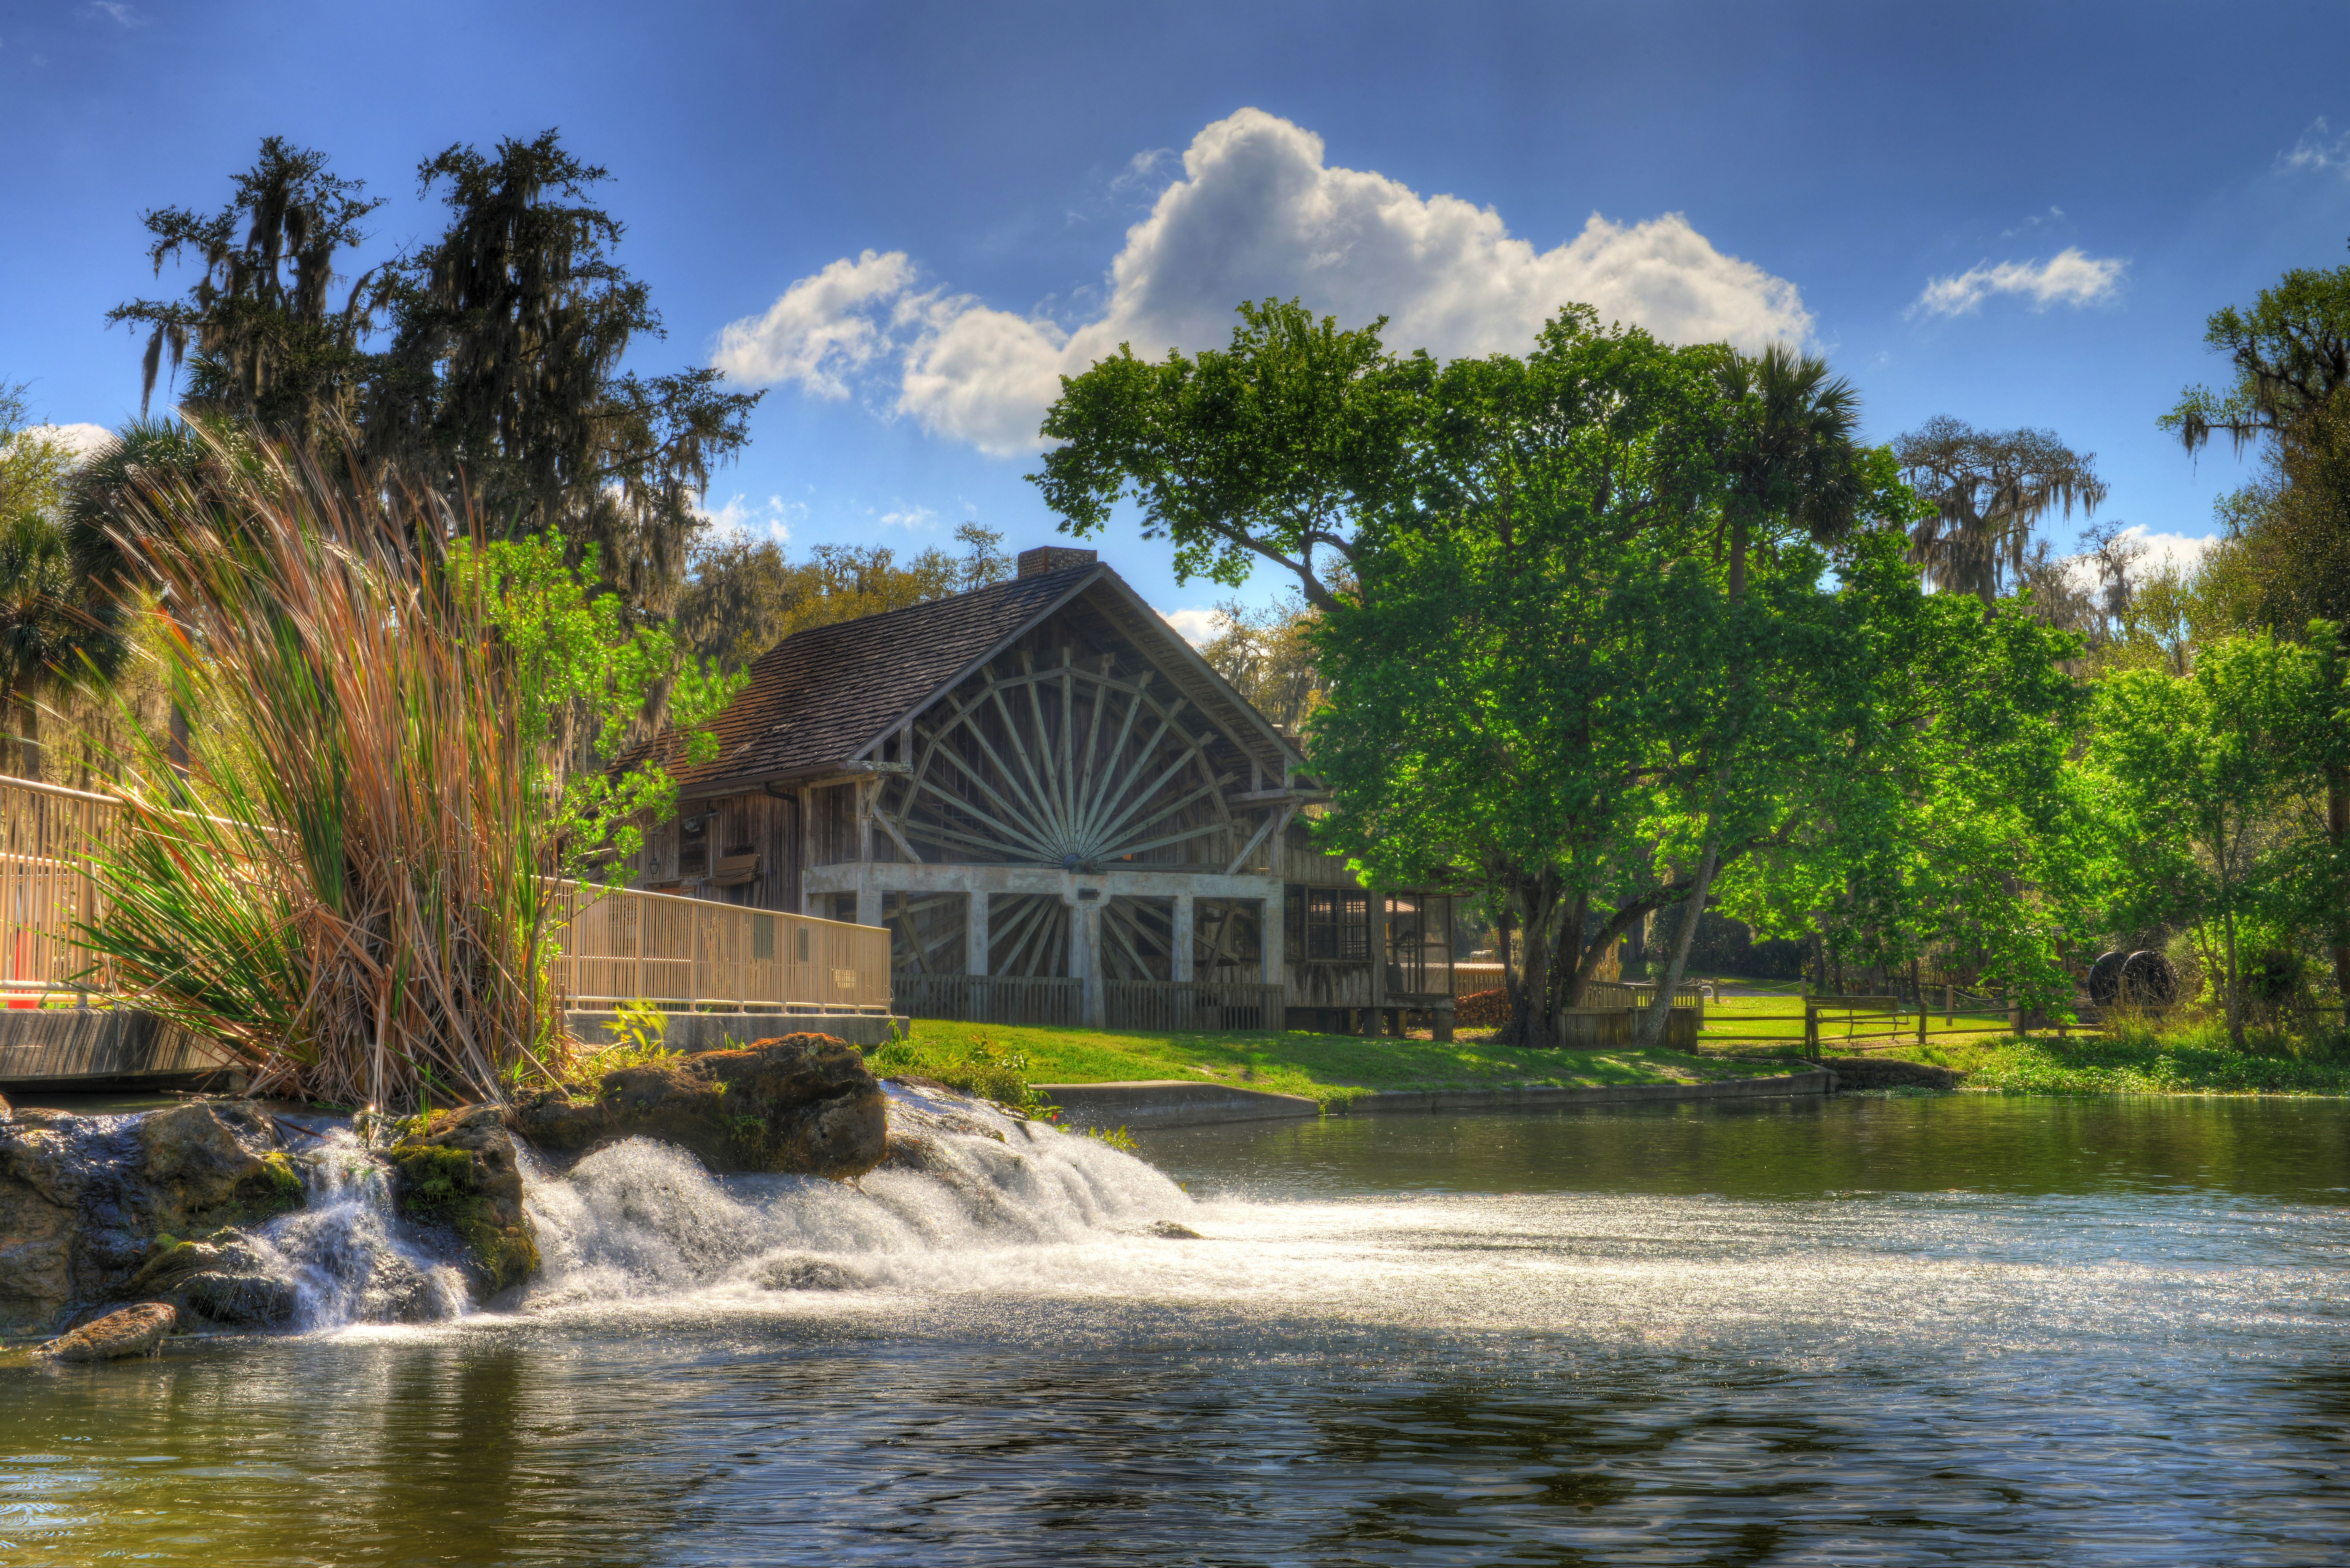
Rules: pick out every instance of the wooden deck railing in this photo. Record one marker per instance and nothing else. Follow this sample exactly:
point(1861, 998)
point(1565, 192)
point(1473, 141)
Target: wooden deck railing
point(611, 947)
point(47, 833)
point(1185, 1005)
point(1010, 999)
point(690, 952)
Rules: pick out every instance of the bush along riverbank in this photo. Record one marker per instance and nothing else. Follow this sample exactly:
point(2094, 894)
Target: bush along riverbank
point(232, 1215)
point(2137, 1063)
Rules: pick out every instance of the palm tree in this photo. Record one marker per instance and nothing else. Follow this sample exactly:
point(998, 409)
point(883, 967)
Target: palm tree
point(1793, 461)
point(1989, 490)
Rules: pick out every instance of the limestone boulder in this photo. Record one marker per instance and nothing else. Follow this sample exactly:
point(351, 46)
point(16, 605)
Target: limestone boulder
point(222, 1277)
point(459, 1172)
point(134, 1331)
point(799, 1103)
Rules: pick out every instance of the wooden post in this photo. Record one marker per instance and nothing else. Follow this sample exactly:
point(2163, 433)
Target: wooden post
point(1181, 938)
point(1949, 1005)
point(1922, 1017)
point(974, 934)
point(1811, 1029)
point(2014, 1015)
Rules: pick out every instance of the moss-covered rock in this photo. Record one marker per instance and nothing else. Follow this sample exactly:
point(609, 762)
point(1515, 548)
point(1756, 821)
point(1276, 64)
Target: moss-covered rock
point(800, 1103)
point(84, 1199)
point(458, 1172)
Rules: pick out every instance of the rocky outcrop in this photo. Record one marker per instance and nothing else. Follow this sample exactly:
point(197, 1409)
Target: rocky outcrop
point(134, 1331)
point(803, 1104)
point(458, 1172)
point(221, 1277)
point(85, 1201)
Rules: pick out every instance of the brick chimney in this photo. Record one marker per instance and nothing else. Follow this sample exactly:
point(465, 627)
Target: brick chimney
point(1046, 558)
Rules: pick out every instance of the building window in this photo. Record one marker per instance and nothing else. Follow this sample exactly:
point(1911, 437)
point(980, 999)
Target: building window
point(693, 845)
point(1330, 925)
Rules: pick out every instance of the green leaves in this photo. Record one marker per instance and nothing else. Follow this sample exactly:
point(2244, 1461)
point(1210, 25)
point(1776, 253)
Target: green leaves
point(584, 679)
point(1268, 450)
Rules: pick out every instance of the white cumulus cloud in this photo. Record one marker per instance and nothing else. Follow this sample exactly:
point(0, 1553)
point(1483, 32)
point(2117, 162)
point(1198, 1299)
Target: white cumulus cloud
point(1256, 213)
point(1196, 625)
point(2068, 278)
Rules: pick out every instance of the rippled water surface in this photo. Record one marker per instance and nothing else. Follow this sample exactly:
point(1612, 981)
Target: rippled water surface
point(1955, 1330)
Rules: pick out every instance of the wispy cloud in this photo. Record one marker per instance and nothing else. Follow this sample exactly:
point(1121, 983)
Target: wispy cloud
point(739, 514)
point(2315, 154)
point(909, 517)
point(114, 11)
point(2035, 222)
point(2068, 278)
point(1143, 169)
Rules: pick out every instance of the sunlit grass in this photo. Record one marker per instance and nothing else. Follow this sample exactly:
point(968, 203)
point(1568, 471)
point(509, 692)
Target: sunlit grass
point(1320, 1067)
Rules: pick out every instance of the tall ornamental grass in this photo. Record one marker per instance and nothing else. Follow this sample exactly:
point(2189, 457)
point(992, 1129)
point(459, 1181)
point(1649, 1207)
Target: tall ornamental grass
point(343, 882)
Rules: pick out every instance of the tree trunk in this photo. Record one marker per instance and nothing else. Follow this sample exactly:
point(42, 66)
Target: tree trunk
point(2337, 828)
point(1537, 901)
point(1652, 1021)
point(28, 700)
point(1737, 553)
point(2235, 1008)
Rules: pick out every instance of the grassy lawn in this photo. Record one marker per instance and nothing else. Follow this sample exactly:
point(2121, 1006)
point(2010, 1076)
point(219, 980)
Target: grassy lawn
point(1780, 1017)
point(991, 1059)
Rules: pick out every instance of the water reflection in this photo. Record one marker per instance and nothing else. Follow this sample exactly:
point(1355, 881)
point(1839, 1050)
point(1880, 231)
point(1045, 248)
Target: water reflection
point(1811, 1148)
point(1772, 1338)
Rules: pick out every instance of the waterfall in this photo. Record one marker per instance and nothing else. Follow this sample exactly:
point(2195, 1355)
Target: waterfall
point(346, 1254)
point(968, 1197)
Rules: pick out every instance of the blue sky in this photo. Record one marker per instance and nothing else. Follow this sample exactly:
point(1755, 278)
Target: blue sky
point(2014, 214)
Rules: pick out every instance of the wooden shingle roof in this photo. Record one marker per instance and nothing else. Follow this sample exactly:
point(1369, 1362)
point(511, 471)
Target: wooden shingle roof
point(823, 698)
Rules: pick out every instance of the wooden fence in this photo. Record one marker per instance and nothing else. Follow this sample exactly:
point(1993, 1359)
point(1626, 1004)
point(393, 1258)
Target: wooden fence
point(989, 998)
point(612, 946)
point(1183, 1005)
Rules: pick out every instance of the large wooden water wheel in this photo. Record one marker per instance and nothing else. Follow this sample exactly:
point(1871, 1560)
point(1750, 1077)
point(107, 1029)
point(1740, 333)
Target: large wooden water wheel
point(1061, 765)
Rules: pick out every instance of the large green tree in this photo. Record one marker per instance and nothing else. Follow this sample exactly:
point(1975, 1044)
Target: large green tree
point(1986, 492)
point(1521, 687)
point(486, 365)
point(2204, 772)
point(1266, 451)
point(2289, 355)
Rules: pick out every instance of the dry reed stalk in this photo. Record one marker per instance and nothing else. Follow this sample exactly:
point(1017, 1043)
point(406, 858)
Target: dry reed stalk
point(345, 888)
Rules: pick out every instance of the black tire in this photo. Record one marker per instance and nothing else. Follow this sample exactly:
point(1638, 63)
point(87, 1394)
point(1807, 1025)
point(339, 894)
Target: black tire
point(2106, 978)
point(2150, 979)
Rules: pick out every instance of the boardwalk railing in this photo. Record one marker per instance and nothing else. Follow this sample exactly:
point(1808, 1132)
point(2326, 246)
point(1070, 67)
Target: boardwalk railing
point(46, 835)
point(611, 946)
point(627, 946)
point(1205, 1005)
point(989, 998)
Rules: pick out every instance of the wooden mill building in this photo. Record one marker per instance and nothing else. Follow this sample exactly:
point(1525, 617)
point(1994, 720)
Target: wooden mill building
point(1059, 811)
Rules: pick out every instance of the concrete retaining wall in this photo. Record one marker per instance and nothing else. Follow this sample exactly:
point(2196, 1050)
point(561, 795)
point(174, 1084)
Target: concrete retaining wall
point(1175, 1103)
point(1531, 1099)
point(1168, 1103)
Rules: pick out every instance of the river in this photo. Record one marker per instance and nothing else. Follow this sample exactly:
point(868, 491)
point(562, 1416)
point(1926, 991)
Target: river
point(1959, 1329)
